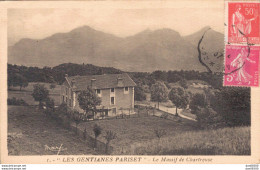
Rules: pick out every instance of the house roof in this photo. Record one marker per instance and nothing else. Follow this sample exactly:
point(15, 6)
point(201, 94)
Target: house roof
point(100, 81)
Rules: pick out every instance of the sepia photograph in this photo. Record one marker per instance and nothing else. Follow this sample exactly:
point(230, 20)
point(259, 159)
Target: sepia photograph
point(129, 81)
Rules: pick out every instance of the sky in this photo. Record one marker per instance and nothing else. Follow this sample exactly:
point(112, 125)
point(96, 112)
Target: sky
point(185, 18)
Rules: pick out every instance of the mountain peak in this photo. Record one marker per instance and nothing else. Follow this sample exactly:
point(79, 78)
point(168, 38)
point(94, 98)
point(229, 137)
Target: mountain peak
point(83, 29)
point(146, 51)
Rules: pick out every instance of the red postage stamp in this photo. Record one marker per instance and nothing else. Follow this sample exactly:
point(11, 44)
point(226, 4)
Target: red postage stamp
point(243, 22)
point(241, 65)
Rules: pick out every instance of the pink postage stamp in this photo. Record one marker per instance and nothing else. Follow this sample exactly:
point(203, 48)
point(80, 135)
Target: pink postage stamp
point(241, 66)
point(243, 22)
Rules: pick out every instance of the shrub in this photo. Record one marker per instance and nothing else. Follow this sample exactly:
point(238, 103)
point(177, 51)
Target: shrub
point(15, 101)
point(49, 102)
point(159, 133)
point(197, 100)
point(234, 105)
point(110, 135)
point(97, 131)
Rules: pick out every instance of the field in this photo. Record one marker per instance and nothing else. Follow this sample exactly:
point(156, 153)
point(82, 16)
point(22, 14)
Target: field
point(30, 132)
point(26, 93)
point(226, 141)
point(138, 129)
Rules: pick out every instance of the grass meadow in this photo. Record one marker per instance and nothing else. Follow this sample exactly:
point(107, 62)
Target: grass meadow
point(26, 93)
point(226, 141)
point(30, 132)
point(137, 129)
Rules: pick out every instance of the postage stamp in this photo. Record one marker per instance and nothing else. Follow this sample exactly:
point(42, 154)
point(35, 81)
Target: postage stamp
point(241, 65)
point(243, 22)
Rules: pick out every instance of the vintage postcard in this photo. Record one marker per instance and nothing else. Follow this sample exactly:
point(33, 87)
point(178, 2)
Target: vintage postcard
point(128, 82)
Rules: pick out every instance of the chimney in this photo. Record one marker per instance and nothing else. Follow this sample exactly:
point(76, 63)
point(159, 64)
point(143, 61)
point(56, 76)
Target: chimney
point(93, 83)
point(120, 81)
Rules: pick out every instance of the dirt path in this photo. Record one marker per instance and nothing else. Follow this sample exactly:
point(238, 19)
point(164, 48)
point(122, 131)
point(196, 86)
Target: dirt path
point(30, 132)
point(170, 110)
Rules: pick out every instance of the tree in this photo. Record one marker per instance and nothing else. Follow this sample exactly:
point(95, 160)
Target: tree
point(109, 136)
point(179, 98)
point(198, 100)
point(17, 80)
point(97, 131)
point(88, 100)
point(159, 92)
point(234, 105)
point(183, 83)
point(139, 93)
point(40, 93)
point(205, 115)
point(159, 75)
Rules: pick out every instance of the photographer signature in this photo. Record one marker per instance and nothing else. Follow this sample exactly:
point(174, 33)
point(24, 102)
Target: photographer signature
point(57, 149)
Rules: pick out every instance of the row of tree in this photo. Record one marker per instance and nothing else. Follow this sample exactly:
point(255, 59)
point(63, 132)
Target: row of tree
point(57, 74)
point(228, 106)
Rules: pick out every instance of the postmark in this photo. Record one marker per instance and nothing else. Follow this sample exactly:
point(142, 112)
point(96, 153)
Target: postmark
point(243, 22)
point(241, 65)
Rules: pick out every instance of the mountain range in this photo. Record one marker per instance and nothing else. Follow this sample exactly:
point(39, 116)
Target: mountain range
point(163, 49)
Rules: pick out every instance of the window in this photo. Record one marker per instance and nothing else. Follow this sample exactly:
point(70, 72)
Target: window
point(67, 91)
point(126, 90)
point(113, 110)
point(98, 92)
point(112, 100)
point(112, 90)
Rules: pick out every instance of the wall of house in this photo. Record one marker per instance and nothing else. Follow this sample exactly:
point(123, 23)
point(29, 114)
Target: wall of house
point(125, 101)
point(66, 94)
point(122, 100)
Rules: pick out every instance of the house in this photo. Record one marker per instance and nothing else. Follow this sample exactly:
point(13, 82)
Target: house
point(115, 90)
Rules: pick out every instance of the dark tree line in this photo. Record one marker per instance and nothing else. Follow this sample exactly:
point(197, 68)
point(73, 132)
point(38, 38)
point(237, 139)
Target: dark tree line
point(57, 74)
point(215, 80)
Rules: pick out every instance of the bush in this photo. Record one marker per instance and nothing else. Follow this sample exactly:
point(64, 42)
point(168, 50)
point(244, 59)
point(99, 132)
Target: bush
point(234, 105)
point(49, 104)
point(63, 109)
point(139, 93)
point(17, 102)
point(197, 101)
point(208, 118)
